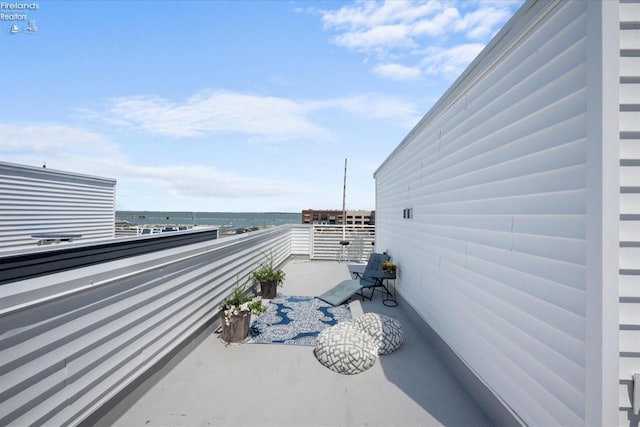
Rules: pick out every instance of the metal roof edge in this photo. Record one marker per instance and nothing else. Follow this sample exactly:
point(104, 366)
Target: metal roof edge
point(55, 172)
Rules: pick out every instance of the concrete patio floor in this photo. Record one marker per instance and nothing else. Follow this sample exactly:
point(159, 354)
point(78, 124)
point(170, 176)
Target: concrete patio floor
point(284, 385)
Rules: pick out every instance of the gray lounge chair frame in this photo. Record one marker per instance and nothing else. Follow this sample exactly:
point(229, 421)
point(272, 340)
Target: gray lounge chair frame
point(371, 278)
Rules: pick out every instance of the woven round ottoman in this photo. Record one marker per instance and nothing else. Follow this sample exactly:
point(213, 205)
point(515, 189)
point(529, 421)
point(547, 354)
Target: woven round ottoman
point(345, 349)
point(386, 331)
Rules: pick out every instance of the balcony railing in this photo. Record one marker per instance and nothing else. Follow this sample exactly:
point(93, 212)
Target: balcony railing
point(325, 242)
point(71, 340)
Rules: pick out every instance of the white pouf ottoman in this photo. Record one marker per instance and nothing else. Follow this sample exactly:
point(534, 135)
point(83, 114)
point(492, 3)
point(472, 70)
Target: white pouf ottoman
point(345, 349)
point(386, 331)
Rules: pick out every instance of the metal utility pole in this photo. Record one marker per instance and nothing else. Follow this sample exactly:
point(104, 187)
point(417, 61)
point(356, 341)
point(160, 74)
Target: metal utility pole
point(344, 211)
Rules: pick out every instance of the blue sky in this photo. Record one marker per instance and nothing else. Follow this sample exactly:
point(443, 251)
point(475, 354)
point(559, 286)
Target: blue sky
point(230, 106)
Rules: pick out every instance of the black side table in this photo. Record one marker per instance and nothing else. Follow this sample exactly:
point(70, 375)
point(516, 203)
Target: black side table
point(390, 300)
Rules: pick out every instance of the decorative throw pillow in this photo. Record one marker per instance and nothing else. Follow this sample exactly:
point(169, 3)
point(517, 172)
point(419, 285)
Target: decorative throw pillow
point(386, 331)
point(345, 349)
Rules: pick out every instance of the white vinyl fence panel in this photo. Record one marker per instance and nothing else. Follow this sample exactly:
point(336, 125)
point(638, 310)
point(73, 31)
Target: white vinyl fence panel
point(325, 242)
point(300, 239)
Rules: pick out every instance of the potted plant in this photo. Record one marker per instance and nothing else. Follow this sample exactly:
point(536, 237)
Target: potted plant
point(269, 277)
point(388, 270)
point(235, 314)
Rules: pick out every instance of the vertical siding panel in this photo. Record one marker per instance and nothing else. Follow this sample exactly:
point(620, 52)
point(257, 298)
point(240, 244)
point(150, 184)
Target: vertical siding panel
point(629, 281)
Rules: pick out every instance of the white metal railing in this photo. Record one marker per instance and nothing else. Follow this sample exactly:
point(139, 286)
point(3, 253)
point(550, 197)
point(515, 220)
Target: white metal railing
point(70, 341)
point(325, 242)
point(301, 239)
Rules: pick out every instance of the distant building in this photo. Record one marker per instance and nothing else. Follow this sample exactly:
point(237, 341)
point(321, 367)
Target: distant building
point(40, 206)
point(360, 217)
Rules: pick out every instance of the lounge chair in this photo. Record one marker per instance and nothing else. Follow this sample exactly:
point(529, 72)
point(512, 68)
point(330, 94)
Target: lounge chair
point(371, 278)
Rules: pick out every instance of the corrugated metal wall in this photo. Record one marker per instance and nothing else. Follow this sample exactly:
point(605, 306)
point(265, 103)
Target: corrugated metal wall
point(629, 203)
point(39, 200)
point(484, 206)
point(92, 331)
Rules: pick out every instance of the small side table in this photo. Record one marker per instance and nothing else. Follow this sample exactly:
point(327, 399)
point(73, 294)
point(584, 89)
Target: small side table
point(390, 300)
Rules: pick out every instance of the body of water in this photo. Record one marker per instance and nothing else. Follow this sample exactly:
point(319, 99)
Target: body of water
point(232, 220)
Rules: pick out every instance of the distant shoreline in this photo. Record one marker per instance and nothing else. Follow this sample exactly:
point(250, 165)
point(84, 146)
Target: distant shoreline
point(228, 219)
point(205, 213)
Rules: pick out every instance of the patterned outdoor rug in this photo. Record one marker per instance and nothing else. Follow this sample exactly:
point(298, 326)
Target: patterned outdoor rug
point(295, 320)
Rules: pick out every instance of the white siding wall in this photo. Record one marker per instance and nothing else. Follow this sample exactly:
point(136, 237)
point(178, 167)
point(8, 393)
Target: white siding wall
point(629, 203)
point(39, 200)
point(499, 177)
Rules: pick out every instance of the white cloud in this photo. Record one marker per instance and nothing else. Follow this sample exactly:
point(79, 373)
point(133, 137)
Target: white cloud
point(380, 107)
point(272, 119)
point(262, 118)
point(483, 23)
point(378, 39)
point(407, 29)
point(149, 178)
point(82, 151)
point(397, 72)
point(379, 27)
point(450, 62)
point(367, 14)
point(204, 182)
point(438, 24)
point(46, 138)
point(374, 106)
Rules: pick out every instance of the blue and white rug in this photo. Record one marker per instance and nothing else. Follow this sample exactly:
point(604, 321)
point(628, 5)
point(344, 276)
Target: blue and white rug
point(295, 320)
